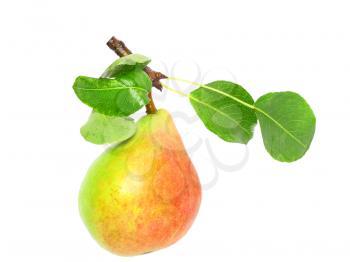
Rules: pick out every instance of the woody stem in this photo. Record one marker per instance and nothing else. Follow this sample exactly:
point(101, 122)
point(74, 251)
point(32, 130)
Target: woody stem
point(121, 49)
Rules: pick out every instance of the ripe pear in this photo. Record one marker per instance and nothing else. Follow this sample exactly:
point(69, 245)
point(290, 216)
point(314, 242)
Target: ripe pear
point(143, 194)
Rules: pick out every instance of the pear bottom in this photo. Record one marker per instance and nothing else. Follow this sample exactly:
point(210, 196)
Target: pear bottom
point(141, 195)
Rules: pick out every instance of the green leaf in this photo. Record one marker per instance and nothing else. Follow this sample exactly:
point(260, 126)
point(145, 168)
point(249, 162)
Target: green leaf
point(287, 125)
point(226, 109)
point(120, 96)
point(126, 64)
point(103, 129)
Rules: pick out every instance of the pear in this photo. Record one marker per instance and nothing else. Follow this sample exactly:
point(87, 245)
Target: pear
point(143, 194)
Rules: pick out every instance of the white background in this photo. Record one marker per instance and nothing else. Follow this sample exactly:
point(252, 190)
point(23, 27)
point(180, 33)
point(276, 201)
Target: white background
point(263, 211)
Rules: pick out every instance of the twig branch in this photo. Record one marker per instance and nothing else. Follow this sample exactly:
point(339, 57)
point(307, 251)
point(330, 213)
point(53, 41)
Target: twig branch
point(118, 47)
point(121, 50)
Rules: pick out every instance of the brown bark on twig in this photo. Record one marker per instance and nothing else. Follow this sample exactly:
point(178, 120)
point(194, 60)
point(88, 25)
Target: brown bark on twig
point(121, 50)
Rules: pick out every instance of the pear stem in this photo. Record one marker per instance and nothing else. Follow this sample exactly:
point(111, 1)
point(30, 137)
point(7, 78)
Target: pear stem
point(121, 50)
point(151, 107)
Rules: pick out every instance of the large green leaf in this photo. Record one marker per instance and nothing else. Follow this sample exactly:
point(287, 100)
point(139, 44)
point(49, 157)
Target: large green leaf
point(126, 64)
point(120, 96)
point(287, 125)
point(103, 129)
point(222, 106)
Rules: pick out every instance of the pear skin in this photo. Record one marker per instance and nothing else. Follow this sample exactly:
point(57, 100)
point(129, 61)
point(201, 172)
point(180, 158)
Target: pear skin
point(143, 194)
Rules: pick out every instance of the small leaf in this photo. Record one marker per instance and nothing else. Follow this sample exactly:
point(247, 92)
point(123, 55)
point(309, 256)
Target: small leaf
point(126, 64)
point(120, 96)
point(287, 125)
point(103, 129)
point(221, 105)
